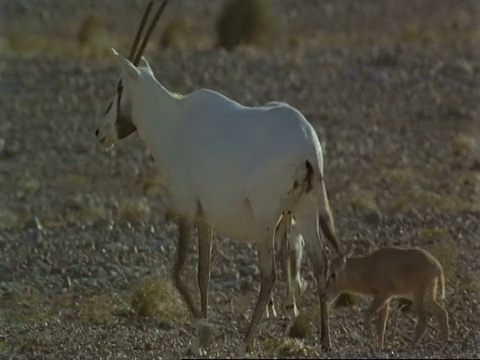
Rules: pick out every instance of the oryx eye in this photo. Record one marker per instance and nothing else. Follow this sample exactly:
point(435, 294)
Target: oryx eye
point(108, 108)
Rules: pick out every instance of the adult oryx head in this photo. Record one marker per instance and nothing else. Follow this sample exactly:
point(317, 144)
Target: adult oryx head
point(116, 122)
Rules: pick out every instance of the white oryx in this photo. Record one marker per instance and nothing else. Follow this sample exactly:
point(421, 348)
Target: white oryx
point(242, 171)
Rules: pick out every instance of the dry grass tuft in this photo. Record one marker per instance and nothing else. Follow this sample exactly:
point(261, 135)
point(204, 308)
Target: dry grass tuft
point(135, 210)
point(157, 298)
point(244, 22)
point(463, 144)
point(152, 186)
point(302, 327)
point(415, 197)
point(346, 299)
point(97, 309)
point(362, 200)
point(27, 308)
point(430, 232)
point(8, 219)
point(286, 347)
point(85, 209)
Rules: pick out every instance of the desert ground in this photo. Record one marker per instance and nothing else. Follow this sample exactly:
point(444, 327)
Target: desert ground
point(86, 245)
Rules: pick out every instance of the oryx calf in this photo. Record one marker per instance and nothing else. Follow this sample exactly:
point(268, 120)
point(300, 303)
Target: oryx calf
point(391, 272)
point(236, 169)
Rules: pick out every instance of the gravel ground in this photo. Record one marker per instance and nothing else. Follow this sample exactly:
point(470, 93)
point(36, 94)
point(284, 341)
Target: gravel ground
point(80, 228)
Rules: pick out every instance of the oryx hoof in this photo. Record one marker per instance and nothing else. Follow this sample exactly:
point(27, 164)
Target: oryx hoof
point(195, 349)
point(326, 344)
point(205, 335)
point(241, 351)
point(326, 347)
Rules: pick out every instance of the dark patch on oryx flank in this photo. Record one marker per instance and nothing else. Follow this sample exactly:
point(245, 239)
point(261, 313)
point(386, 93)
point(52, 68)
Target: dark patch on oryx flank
point(308, 180)
point(309, 176)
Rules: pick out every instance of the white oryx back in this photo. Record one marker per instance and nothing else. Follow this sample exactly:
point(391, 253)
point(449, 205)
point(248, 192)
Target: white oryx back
point(224, 157)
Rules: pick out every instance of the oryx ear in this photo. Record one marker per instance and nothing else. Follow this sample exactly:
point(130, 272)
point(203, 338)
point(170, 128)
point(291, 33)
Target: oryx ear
point(126, 65)
point(146, 63)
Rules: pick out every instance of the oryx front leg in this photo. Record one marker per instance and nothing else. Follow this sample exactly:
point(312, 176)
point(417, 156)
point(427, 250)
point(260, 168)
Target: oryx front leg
point(266, 257)
point(184, 239)
point(306, 216)
point(205, 235)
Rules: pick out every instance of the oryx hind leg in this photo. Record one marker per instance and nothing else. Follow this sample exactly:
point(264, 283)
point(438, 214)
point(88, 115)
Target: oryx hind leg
point(185, 228)
point(306, 216)
point(266, 257)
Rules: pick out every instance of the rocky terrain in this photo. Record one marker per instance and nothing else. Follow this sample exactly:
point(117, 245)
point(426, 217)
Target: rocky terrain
point(392, 87)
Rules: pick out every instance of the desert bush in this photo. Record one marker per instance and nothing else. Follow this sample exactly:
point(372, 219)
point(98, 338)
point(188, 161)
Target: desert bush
point(244, 22)
point(92, 30)
point(176, 34)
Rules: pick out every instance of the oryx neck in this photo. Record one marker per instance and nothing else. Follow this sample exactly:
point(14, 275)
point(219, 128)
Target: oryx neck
point(156, 114)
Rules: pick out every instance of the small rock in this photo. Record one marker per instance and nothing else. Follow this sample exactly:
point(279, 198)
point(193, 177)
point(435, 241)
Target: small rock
point(372, 218)
point(380, 355)
point(229, 280)
point(250, 269)
point(115, 246)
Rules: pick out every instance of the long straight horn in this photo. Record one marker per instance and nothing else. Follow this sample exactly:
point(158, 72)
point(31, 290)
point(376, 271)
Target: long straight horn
point(149, 32)
point(140, 30)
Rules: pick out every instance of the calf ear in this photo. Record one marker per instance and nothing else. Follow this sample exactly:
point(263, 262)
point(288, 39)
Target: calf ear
point(126, 65)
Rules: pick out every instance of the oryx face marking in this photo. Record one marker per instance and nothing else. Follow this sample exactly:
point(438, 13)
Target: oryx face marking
point(116, 122)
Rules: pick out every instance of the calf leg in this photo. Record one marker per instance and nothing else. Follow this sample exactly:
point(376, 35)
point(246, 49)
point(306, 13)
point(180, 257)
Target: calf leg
point(381, 324)
point(379, 301)
point(438, 312)
point(418, 300)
